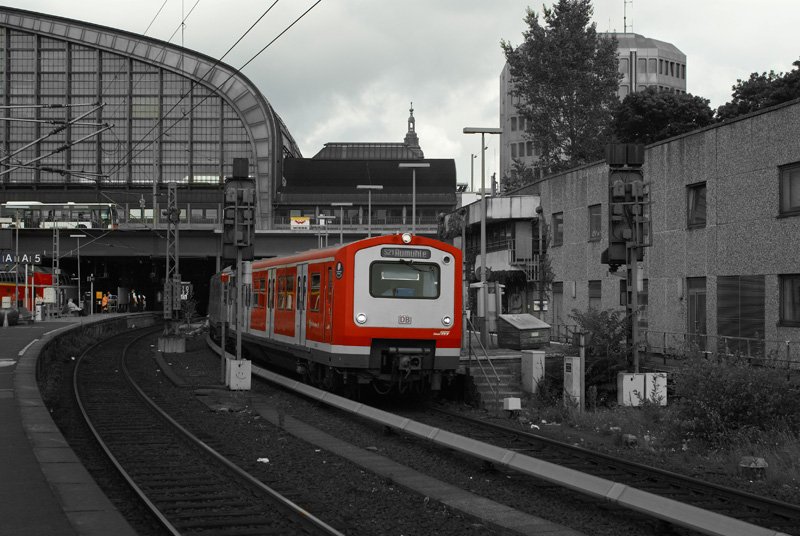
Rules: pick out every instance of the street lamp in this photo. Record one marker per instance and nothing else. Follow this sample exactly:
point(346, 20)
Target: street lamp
point(413, 166)
point(484, 292)
point(79, 236)
point(472, 172)
point(341, 219)
point(369, 188)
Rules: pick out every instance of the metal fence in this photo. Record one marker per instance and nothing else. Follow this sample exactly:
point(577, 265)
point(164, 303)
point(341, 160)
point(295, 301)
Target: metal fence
point(684, 345)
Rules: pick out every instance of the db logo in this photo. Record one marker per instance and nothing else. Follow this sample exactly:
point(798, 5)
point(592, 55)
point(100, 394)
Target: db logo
point(403, 319)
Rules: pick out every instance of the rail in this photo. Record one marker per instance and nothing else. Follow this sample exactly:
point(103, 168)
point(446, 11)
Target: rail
point(495, 391)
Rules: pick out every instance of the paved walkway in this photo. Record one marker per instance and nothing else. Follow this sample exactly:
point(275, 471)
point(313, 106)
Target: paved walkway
point(44, 489)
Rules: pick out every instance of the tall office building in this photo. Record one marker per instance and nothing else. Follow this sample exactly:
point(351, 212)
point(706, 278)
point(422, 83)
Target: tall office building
point(643, 62)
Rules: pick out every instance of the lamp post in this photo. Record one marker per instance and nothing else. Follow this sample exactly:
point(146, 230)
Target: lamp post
point(484, 292)
point(341, 219)
point(413, 166)
point(472, 172)
point(369, 188)
point(79, 236)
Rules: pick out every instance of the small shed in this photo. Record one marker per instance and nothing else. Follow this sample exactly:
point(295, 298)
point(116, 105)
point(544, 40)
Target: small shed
point(522, 332)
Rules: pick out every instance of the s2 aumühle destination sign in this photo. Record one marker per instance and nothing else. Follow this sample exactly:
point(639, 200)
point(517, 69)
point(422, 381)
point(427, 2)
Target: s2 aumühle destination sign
point(405, 253)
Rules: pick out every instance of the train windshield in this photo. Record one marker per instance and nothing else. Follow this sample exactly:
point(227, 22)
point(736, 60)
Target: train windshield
point(404, 279)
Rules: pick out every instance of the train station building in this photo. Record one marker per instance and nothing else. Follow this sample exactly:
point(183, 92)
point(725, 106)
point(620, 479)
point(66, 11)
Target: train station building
point(96, 115)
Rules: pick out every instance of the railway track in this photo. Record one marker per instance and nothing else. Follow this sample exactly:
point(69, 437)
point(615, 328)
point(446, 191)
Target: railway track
point(761, 511)
point(190, 488)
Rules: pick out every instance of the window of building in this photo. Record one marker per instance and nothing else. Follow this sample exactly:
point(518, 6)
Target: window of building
point(522, 124)
point(790, 189)
point(595, 294)
point(740, 312)
point(653, 67)
point(595, 222)
point(558, 228)
point(623, 65)
point(642, 66)
point(521, 150)
point(513, 150)
point(790, 299)
point(660, 66)
point(683, 72)
point(513, 124)
point(529, 148)
point(696, 205)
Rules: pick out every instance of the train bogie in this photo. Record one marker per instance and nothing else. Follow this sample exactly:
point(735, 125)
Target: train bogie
point(384, 311)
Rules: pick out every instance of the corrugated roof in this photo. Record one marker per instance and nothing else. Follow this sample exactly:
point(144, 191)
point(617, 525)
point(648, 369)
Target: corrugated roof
point(525, 321)
point(366, 151)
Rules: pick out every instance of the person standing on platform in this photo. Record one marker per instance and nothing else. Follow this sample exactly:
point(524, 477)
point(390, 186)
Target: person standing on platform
point(104, 303)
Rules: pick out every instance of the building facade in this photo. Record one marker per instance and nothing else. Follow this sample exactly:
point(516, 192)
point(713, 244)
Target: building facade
point(90, 109)
point(724, 266)
point(643, 63)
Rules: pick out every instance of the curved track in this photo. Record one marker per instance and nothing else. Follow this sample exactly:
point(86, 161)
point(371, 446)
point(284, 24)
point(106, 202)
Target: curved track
point(761, 511)
point(189, 487)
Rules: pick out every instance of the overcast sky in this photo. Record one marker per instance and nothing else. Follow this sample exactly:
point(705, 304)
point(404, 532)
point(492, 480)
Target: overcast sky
point(347, 71)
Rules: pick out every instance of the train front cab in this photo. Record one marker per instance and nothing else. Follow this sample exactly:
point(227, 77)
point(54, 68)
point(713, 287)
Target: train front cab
point(406, 310)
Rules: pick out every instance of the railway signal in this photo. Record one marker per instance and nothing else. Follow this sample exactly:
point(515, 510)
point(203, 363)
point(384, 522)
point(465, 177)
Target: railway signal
point(628, 224)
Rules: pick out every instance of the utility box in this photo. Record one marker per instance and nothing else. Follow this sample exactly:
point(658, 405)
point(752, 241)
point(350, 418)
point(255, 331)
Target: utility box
point(573, 381)
point(522, 332)
point(635, 388)
point(511, 404)
point(238, 374)
point(532, 365)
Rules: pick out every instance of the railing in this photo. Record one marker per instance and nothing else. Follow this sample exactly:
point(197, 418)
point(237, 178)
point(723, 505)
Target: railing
point(682, 345)
point(495, 391)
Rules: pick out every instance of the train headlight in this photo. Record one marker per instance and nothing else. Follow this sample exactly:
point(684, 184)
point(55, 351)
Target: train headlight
point(446, 321)
point(406, 238)
point(361, 318)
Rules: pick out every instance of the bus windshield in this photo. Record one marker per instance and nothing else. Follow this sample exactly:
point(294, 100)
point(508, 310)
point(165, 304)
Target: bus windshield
point(404, 279)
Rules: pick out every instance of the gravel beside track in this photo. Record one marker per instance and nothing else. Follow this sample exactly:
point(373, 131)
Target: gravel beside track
point(341, 493)
point(393, 509)
point(345, 496)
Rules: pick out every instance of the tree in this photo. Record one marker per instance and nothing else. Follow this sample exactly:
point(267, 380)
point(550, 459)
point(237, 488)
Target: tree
point(651, 115)
point(566, 77)
point(518, 176)
point(760, 91)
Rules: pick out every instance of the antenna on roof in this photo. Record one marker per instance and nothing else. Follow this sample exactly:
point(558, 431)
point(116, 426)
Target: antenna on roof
point(625, 15)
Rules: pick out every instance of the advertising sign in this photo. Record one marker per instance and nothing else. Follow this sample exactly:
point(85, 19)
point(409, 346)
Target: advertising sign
point(300, 223)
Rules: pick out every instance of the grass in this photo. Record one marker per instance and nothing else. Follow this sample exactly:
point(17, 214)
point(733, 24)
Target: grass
point(660, 444)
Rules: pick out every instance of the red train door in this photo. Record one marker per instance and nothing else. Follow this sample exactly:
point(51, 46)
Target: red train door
point(327, 320)
point(302, 292)
point(271, 285)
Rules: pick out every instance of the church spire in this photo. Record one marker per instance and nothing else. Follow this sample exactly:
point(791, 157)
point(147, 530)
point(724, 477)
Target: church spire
point(411, 136)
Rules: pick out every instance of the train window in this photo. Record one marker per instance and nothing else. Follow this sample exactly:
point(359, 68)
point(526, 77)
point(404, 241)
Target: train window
point(313, 296)
point(404, 279)
point(282, 292)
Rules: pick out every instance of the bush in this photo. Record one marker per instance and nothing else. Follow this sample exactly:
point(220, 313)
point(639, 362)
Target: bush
point(722, 400)
point(606, 352)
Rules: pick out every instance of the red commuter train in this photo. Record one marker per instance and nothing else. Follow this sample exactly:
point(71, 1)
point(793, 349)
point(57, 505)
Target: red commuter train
point(384, 311)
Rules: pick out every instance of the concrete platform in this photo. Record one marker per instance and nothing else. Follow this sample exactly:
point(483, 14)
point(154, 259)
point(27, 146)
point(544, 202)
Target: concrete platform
point(45, 490)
